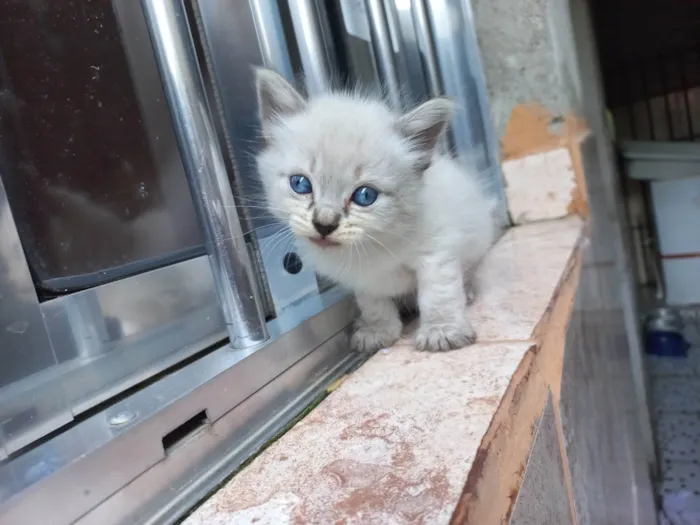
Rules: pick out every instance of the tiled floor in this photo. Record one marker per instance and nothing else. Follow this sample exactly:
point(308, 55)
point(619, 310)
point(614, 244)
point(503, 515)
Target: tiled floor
point(675, 398)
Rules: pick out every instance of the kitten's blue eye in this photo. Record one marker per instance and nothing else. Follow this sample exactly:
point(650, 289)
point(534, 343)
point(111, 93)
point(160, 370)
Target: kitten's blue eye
point(365, 196)
point(300, 184)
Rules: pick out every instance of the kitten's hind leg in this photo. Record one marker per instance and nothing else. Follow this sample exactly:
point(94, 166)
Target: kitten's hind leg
point(443, 306)
point(379, 325)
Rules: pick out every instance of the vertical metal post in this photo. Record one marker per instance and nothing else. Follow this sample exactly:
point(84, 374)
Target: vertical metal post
point(426, 44)
point(206, 172)
point(268, 26)
point(383, 47)
point(462, 78)
point(311, 45)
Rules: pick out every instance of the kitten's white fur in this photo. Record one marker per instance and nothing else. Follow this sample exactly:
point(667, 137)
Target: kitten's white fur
point(430, 226)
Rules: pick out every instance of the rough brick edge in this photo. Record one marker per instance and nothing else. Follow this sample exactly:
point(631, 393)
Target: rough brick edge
point(497, 472)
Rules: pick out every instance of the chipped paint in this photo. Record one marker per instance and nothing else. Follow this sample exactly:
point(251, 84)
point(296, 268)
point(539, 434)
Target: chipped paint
point(542, 184)
point(539, 186)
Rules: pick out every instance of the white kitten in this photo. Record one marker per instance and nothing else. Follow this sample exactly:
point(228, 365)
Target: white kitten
point(375, 208)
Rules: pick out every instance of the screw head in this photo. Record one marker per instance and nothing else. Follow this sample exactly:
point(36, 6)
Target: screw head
point(292, 263)
point(122, 418)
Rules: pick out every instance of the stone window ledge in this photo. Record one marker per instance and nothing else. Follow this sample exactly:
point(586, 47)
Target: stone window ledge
point(427, 438)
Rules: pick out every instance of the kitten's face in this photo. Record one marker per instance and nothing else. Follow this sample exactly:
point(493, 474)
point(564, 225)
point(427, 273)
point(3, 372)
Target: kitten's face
point(340, 170)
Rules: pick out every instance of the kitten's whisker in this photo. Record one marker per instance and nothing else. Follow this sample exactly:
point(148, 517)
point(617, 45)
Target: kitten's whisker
point(287, 241)
point(247, 198)
point(257, 217)
point(278, 233)
point(345, 267)
point(250, 206)
point(269, 249)
point(397, 235)
point(253, 230)
point(262, 204)
point(277, 240)
point(340, 274)
point(244, 206)
point(364, 248)
point(354, 247)
point(384, 246)
point(284, 243)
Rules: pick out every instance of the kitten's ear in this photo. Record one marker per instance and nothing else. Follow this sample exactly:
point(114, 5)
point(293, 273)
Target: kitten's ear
point(424, 125)
point(276, 97)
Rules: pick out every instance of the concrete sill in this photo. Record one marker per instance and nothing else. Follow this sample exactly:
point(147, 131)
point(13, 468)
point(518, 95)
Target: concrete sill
point(428, 438)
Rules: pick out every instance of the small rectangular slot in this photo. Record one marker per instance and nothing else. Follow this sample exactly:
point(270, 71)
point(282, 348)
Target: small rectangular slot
point(190, 427)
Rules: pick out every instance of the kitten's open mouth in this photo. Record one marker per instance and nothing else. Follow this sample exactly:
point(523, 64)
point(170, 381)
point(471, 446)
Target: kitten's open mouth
point(323, 243)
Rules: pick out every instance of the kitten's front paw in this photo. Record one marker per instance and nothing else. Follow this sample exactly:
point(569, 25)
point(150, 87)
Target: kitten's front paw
point(372, 338)
point(444, 337)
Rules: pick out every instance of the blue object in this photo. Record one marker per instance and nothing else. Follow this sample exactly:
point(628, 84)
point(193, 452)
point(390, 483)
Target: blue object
point(365, 196)
point(666, 344)
point(300, 184)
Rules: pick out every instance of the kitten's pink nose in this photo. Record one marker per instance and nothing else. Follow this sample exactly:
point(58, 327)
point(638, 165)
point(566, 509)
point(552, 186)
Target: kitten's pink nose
point(325, 229)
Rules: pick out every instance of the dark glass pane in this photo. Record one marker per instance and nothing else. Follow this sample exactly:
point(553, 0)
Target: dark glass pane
point(87, 151)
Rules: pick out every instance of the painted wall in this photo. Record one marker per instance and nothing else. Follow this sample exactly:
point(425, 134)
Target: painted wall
point(527, 55)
